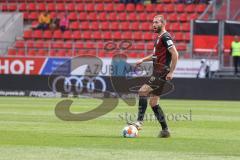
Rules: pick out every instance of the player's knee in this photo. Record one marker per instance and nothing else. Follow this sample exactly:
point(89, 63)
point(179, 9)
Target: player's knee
point(153, 102)
point(143, 91)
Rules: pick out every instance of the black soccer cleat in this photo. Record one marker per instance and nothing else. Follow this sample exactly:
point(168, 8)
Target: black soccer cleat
point(164, 134)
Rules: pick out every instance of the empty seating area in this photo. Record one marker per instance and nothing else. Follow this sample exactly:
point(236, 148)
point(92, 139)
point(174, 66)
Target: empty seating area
point(95, 22)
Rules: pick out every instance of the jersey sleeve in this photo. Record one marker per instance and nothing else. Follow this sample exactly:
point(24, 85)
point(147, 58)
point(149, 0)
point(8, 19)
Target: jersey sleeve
point(167, 41)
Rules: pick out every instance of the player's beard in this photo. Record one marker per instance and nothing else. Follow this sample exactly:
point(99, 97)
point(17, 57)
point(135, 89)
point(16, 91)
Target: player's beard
point(159, 30)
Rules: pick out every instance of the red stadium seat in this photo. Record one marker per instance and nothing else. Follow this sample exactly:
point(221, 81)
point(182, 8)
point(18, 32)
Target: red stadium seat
point(27, 34)
point(31, 7)
point(79, 45)
point(41, 7)
point(12, 52)
point(135, 26)
point(89, 7)
point(53, 14)
point(90, 45)
point(60, 53)
point(124, 26)
point(21, 52)
point(190, 8)
point(142, 16)
point(30, 44)
point(139, 46)
point(4, 7)
point(160, 8)
point(117, 35)
point(82, 16)
point(183, 17)
point(22, 7)
point(33, 16)
point(76, 35)
point(120, 7)
point(127, 36)
point(146, 26)
point(70, 7)
point(173, 17)
point(181, 47)
point(25, 15)
point(94, 26)
point(57, 34)
point(99, 7)
point(200, 8)
point(37, 34)
point(31, 52)
point(102, 16)
point(187, 37)
point(84, 26)
point(47, 35)
point(112, 16)
point(42, 52)
point(104, 26)
point(122, 16)
point(130, 7)
point(80, 7)
point(169, 8)
point(67, 45)
point(192, 16)
point(52, 52)
point(12, 7)
point(178, 36)
point(150, 16)
point(51, 7)
point(92, 16)
point(57, 44)
point(67, 35)
point(175, 27)
point(97, 35)
point(72, 16)
point(132, 17)
point(137, 36)
point(74, 25)
point(39, 44)
point(150, 8)
point(180, 8)
point(186, 27)
point(109, 7)
point(140, 8)
point(20, 44)
point(114, 26)
point(150, 46)
point(86, 35)
point(148, 36)
point(60, 7)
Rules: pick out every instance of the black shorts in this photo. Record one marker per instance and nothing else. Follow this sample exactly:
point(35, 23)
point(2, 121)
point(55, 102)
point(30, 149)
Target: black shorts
point(158, 82)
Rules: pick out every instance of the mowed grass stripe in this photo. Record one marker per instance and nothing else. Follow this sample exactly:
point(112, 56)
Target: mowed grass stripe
point(29, 128)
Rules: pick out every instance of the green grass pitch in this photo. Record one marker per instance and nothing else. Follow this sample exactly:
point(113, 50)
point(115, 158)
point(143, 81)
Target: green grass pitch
point(29, 130)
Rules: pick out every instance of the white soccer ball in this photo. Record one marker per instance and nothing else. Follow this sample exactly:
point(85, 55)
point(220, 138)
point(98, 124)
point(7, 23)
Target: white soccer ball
point(130, 132)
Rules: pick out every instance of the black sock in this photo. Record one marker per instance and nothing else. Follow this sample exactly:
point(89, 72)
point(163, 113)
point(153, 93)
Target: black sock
point(142, 106)
point(160, 116)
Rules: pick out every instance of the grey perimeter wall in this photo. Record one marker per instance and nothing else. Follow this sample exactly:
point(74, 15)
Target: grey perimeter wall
point(205, 89)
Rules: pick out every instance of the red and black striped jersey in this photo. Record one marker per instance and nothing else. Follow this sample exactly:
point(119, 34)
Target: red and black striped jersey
point(161, 55)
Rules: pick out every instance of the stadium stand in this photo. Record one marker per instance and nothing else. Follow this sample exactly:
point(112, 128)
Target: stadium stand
point(98, 21)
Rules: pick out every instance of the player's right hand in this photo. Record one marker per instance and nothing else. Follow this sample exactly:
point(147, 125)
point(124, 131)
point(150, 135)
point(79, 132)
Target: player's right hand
point(140, 61)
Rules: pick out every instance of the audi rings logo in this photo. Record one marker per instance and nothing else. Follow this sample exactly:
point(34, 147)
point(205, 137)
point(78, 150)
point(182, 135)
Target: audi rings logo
point(78, 84)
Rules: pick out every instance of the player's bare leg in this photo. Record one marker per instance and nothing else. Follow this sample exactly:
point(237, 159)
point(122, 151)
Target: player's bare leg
point(142, 105)
point(164, 133)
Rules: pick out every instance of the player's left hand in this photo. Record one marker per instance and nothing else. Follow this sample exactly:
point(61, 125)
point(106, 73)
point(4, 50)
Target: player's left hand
point(169, 76)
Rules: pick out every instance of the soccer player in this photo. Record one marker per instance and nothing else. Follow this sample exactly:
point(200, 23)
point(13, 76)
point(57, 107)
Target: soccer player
point(164, 57)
